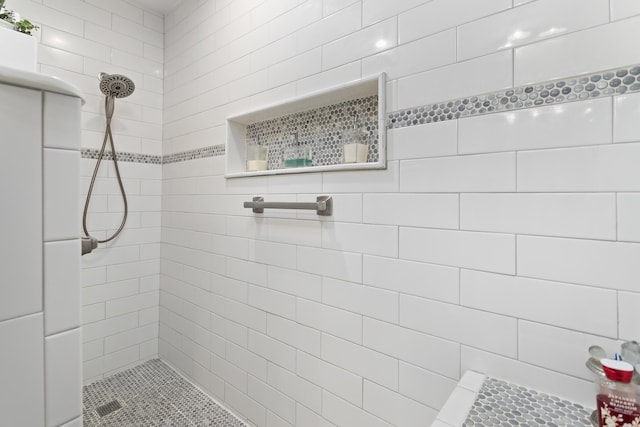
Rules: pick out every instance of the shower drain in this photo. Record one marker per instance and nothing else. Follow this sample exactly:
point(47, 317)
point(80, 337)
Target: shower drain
point(108, 408)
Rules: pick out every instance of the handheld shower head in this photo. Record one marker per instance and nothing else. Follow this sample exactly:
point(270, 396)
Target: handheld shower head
point(113, 86)
point(116, 85)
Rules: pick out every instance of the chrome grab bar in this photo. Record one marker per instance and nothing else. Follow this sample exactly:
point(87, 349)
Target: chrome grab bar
point(323, 205)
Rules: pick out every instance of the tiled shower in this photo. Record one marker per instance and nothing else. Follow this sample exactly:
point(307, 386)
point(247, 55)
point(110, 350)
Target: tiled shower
point(502, 237)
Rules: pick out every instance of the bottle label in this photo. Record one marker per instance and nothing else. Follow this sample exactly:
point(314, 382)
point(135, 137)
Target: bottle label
point(617, 410)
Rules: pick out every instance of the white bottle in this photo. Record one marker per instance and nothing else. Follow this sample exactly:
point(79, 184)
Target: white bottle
point(355, 148)
point(256, 157)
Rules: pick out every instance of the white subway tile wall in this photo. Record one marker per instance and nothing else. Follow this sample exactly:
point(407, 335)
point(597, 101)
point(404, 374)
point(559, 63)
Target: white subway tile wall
point(490, 72)
point(621, 9)
point(567, 55)
point(538, 20)
point(63, 373)
point(581, 123)
point(120, 282)
point(487, 239)
point(40, 365)
point(625, 109)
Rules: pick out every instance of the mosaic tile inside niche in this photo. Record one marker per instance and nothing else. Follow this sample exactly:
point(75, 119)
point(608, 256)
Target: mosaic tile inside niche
point(321, 128)
point(501, 403)
point(612, 82)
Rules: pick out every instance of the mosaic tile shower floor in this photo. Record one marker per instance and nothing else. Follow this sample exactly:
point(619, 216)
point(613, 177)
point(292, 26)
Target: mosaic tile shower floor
point(500, 403)
point(153, 394)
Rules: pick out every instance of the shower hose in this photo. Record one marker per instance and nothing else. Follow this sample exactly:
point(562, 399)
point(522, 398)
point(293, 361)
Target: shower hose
point(108, 107)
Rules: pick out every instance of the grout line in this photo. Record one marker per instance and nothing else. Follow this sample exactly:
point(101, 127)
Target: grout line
point(42, 259)
point(618, 313)
point(616, 202)
point(513, 66)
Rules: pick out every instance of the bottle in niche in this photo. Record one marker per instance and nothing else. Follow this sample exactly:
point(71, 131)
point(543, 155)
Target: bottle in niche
point(296, 155)
point(256, 157)
point(355, 147)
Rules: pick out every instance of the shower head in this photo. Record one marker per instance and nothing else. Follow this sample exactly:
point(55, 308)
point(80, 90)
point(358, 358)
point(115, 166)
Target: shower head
point(116, 85)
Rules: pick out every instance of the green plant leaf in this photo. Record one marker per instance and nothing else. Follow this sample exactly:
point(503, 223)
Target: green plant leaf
point(23, 25)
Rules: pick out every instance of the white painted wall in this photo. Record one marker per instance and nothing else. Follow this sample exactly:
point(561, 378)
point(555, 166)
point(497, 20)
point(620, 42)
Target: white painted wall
point(505, 244)
point(77, 40)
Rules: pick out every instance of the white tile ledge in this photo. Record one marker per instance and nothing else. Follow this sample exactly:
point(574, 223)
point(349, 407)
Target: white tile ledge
point(455, 410)
point(38, 81)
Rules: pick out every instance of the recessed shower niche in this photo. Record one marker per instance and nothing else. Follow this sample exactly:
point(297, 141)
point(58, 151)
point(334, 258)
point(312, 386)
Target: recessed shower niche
point(339, 128)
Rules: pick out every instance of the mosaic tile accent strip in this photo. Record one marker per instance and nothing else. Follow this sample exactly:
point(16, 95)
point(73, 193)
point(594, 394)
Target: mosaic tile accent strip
point(324, 126)
point(606, 83)
point(89, 153)
point(500, 403)
point(198, 153)
point(152, 395)
point(320, 128)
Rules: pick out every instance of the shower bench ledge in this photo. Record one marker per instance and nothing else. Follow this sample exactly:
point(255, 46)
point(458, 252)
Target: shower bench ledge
point(466, 406)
